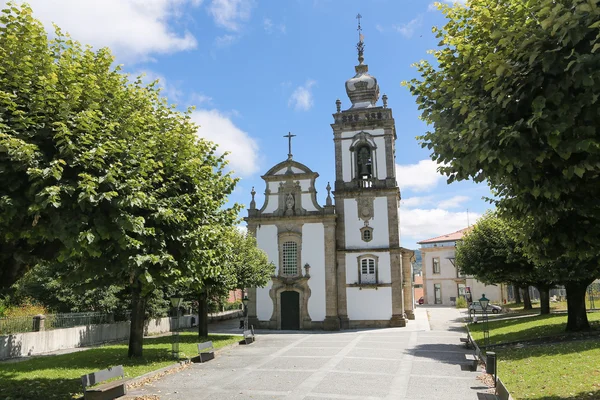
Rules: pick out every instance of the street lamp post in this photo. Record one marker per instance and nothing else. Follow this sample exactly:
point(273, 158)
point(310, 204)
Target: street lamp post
point(176, 303)
point(486, 331)
point(245, 301)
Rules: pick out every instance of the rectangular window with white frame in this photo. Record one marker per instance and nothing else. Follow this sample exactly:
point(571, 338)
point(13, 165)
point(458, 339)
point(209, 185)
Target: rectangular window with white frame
point(367, 269)
point(436, 265)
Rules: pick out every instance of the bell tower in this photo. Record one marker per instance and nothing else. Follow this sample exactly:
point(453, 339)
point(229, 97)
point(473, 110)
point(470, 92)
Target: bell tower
point(373, 272)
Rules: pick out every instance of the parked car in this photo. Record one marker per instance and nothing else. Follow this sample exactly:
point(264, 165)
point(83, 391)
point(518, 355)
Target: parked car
point(491, 308)
point(421, 300)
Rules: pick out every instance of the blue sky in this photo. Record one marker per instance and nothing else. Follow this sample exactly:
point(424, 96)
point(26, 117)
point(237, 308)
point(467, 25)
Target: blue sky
point(258, 69)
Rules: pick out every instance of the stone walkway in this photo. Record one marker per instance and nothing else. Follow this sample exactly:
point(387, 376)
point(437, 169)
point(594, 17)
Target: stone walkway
point(421, 361)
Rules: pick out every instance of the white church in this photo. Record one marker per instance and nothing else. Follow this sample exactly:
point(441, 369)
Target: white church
point(338, 265)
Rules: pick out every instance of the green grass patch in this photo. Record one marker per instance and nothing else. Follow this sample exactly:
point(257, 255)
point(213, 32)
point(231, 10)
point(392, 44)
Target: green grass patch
point(568, 370)
point(58, 377)
point(527, 327)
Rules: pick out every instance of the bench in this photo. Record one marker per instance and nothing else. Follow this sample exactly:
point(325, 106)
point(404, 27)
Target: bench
point(248, 336)
point(105, 391)
point(206, 352)
point(467, 342)
point(473, 361)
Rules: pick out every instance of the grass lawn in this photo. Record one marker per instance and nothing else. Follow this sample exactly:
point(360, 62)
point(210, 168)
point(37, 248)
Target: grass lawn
point(59, 377)
point(527, 327)
point(568, 370)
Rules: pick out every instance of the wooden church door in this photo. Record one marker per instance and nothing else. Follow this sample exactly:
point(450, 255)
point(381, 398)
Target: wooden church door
point(290, 310)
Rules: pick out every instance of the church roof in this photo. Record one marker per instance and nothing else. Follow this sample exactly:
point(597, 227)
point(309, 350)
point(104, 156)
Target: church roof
point(288, 167)
point(450, 237)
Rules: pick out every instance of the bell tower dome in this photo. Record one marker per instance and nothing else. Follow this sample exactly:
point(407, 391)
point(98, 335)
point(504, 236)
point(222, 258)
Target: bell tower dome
point(367, 199)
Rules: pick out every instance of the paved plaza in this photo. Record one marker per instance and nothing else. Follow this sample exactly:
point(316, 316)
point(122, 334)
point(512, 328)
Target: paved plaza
point(425, 360)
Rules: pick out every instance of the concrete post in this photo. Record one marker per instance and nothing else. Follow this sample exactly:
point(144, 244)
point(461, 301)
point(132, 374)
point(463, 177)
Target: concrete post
point(39, 323)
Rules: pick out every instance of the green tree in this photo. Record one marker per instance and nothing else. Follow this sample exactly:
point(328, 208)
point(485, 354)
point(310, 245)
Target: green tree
point(493, 254)
point(512, 101)
point(100, 174)
point(244, 266)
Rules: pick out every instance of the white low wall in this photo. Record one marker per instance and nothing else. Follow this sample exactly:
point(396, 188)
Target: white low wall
point(32, 343)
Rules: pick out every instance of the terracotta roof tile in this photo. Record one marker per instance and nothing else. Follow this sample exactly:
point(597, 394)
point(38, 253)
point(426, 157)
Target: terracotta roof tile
point(450, 237)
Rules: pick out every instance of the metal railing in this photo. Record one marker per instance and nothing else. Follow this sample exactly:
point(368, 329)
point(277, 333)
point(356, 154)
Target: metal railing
point(9, 325)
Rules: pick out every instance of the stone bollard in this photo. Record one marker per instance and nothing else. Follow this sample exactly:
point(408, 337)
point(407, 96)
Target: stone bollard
point(39, 322)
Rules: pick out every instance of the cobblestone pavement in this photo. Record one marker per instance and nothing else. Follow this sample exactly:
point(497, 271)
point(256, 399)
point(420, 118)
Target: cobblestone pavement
point(425, 360)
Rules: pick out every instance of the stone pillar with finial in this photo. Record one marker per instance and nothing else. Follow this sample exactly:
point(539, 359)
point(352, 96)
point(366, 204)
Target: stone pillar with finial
point(338, 105)
point(384, 98)
point(329, 207)
point(252, 209)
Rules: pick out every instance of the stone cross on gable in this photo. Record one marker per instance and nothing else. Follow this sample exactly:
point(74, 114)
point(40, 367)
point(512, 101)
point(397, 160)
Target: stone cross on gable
point(289, 136)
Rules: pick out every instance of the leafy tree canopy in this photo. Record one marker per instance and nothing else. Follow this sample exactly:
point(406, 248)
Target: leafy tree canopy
point(100, 174)
point(513, 100)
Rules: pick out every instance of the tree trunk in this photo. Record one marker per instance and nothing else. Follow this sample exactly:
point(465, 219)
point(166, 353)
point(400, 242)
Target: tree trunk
point(517, 292)
point(544, 299)
point(203, 314)
point(526, 299)
point(136, 330)
point(577, 318)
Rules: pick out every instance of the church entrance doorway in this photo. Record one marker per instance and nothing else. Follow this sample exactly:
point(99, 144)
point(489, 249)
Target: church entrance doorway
point(290, 310)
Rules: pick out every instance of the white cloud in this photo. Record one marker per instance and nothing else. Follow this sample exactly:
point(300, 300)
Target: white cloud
point(420, 224)
point(420, 177)
point(243, 149)
point(416, 201)
point(379, 28)
point(408, 29)
point(302, 98)
point(225, 40)
point(230, 14)
point(197, 99)
point(133, 29)
point(271, 27)
point(453, 202)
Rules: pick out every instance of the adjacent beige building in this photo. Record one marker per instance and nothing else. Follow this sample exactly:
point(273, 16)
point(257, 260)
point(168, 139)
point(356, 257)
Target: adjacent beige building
point(442, 281)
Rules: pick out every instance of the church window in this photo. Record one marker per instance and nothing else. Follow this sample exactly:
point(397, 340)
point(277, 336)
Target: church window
point(290, 258)
point(366, 233)
point(367, 269)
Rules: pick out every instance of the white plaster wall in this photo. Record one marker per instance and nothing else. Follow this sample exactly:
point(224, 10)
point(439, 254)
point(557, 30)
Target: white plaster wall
point(304, 184)
point(380, 163)
point(313, 253)
point(492, 292)
point(447, 269)
point(307, 202)
point(271, 200)
point(266, 239)
point(346, 161)
point(449, 289)
point(381, 233)
point(369, 304)
point(384, 273)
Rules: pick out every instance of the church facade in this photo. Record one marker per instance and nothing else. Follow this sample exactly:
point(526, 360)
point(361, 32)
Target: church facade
point(338, 265)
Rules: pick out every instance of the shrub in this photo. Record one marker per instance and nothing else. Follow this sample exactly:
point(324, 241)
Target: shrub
point(461, 302)
point(27, 308)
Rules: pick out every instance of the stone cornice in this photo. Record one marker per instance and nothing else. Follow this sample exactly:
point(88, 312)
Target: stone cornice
point(308, 218)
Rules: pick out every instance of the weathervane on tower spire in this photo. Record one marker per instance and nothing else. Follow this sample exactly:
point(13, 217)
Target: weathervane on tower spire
point(360, 46)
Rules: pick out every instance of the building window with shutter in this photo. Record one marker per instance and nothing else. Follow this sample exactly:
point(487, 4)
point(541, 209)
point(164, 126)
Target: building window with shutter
point(290, 250)
point(367, 269)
